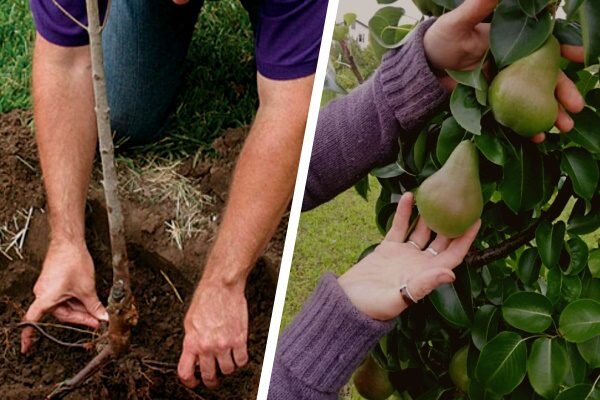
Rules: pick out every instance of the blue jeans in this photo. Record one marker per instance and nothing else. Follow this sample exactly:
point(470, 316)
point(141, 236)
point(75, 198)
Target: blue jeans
point(145, 45)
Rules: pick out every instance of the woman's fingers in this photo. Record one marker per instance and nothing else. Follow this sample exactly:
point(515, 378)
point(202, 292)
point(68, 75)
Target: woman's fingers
point(439, 244)
point(568, 95)
point(564, 122)
point(401, 219)
point(539, 138)
point(458, 248)
point(573, 53)
point(428, 280)
point(421, 234)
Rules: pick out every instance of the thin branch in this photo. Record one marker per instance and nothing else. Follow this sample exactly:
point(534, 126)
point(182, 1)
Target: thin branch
point(106, 15)
point(49, 336)
point(479, 258)
point(69, 15)
point(350, 59)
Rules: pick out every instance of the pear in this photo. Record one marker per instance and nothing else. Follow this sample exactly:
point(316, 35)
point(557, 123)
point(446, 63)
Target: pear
point(522, 95)
point(458, 369)
point(450, 200)
point(372, 381)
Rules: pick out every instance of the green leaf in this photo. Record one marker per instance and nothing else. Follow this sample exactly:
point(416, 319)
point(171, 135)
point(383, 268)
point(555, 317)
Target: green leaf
point(578, 254)
point(581, 167)
point(547, 366)
point(579, 392)
point(477, 391)
point(386, 1)
point(532, 7)
point(586, 82)
point(385, 217)
point(528, 311)
point(473, 78)
point(568, 32)
point(384, 29)
point(571, 7)
point(590, 351)
point(594, 263)
point(340, 32)
point(583, 221)
point(580, 320)
point(448, 304)
point(514, 35)
point(448, 4)
point(362, 188)
point(485, 325)
point(561, 286)
point(593, 99)
point(522, 186)
point(389, 171)
point(502, 363)
point(528, 269)
point(451, 134)
point(500, 289)
point(585, 132)
point(491, 147)
point(465, 108)
point(350, 18)
point(589, 13)
point(550, 239)
point(577, 367)
point(419, 150)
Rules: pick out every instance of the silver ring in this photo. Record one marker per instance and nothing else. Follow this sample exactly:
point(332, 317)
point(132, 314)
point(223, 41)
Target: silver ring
point(406, 294)
point(432, 251)
point(414, 244)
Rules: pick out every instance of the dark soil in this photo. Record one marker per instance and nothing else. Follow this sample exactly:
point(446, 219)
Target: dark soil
point(148, 371)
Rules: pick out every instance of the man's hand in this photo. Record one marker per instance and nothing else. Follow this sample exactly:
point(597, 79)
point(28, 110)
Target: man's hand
point(66, 289)
point(459, 39)
point(216, 330)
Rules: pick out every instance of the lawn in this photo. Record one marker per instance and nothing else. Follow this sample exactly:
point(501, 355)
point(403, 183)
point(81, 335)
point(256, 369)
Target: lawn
point(220, 83)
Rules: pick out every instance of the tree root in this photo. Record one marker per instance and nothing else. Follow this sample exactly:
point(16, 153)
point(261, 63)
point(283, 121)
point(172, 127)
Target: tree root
point(41, 330)
point(65, 387)
point(479, 258)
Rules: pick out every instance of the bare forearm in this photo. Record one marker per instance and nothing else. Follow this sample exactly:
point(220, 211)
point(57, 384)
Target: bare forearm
point(263, 181)
point(65, 132)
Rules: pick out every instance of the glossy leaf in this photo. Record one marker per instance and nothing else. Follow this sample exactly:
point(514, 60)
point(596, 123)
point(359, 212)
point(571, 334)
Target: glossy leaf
point(563, 287)
point(448, 304)
point(485, 325)
point(502, 363)
point(473, 78)
point(580, 320)
point(491, 147)
point(451, 134)
point(568, 32)
point(571, 7)
point(578, 255)
point(594, 263)
point(581, 167)
point(547, 366)
point(383, 27)
point(515, 35)
point(577, 367)
point(528, 269)
point(521, 187)
point(585, 132)
point(550, 239)
point(583, 221)
point(590, 351)
point(580, 392)
point(532, 7)
point(448, 4)
point(465, 109)
point(589, 13)
point(528, 311)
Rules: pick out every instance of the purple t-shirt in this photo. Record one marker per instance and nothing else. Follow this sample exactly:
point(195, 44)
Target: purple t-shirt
point(287, 32)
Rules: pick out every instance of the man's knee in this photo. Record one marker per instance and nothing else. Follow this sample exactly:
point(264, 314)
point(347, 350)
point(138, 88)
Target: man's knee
point(132, 126)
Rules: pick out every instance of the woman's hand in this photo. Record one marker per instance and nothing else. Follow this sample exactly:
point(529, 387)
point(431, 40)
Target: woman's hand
point(459, 39)
point(373, 285)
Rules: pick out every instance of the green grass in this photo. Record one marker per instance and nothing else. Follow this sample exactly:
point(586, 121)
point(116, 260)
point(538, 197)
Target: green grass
point(330, 238)
point(220, 79)
point(16, 38)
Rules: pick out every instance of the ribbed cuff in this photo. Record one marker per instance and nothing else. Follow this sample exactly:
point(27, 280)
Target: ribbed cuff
point(328, 339)
point(410, 88)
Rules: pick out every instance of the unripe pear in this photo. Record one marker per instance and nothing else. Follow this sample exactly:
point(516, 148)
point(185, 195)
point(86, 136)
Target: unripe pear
point(450, 200)
point(372, 381)
point(458, 369)
point(522, 95)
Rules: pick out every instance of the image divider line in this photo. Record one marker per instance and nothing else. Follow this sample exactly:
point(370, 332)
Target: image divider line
point(290, 239)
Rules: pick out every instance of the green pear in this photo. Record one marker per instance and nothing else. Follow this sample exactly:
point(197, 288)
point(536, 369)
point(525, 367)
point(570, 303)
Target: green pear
point(428, 7)
point(522, 95)
point(372, 381)
point(458, 369)
point(450, 200)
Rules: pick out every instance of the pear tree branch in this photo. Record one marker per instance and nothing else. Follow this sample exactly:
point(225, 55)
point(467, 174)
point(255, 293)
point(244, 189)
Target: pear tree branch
point(479, 258)
point(351, 61)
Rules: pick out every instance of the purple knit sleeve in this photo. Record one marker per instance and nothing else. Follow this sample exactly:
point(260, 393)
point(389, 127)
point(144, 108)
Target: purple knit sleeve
point(360, 131)
point(325, 343)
